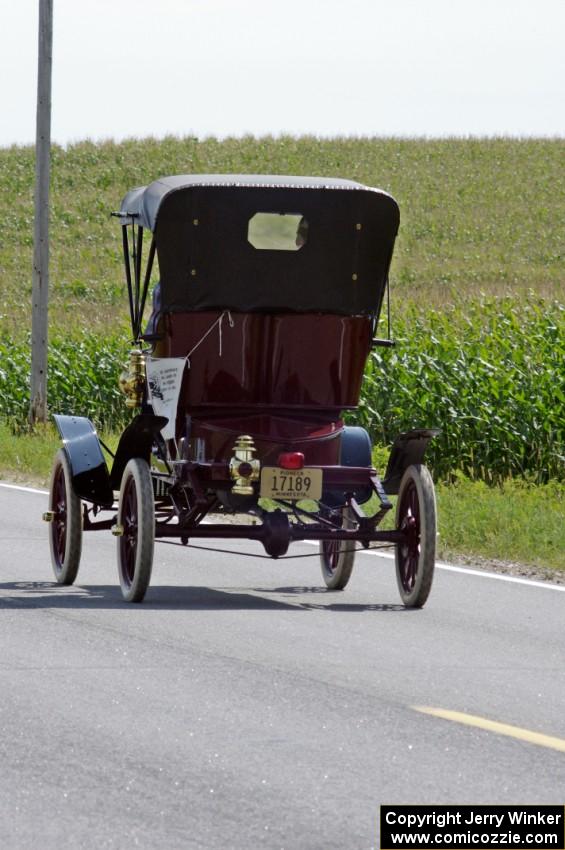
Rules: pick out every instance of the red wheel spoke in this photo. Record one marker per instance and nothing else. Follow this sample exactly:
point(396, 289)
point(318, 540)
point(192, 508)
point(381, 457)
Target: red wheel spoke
point(331, 554)
point(337, 555)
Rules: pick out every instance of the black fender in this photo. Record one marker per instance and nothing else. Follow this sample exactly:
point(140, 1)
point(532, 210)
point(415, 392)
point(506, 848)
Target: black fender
point(90, 479)
point(408, 448)
point(136, 441)
point(355, 450)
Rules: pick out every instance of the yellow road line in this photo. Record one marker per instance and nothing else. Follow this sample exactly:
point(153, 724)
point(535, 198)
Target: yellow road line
point(492, 726)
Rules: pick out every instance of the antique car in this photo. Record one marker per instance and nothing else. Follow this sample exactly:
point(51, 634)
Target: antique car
point(265, 308)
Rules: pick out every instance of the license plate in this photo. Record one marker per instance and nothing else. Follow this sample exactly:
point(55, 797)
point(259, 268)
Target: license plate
point(291, 484)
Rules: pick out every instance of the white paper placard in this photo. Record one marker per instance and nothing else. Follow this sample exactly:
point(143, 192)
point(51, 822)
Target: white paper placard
point(164, 379)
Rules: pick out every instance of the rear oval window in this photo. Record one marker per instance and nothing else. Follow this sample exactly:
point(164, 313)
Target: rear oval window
point(277, 231)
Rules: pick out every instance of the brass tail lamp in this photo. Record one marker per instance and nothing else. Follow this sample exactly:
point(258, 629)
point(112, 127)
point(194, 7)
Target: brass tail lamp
point(244, 468)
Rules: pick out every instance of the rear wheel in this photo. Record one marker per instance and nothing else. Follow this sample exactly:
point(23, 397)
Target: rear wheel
point(416, 517)
point(65, 528)
point(136, 517)
point(337, 557)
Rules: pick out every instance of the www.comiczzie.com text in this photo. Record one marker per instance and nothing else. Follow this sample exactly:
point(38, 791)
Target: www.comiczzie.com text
point(474, 827)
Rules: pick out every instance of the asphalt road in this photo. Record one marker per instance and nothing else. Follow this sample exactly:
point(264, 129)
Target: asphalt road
point(240, 706)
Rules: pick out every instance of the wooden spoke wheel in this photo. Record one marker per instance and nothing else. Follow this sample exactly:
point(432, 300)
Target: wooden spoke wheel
point(416, 517)
point(136, 517)
point(337, 557)
point(65, 528)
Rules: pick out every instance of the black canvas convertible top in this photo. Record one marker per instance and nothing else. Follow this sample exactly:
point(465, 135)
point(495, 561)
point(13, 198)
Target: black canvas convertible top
point(206, 260)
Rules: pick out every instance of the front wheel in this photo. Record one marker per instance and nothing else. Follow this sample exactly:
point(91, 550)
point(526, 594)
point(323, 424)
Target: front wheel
point(136, 520)
point(337, 557)
point(65, 530)
point(416, 517)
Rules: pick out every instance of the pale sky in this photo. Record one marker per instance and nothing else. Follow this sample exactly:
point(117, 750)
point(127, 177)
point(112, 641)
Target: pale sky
point(322, 67)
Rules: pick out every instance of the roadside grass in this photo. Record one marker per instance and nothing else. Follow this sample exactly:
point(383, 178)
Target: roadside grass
point(515, 522)
point(26, 458)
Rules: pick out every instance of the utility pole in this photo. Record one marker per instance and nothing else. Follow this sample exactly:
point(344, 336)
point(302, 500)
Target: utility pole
point(40, 283)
